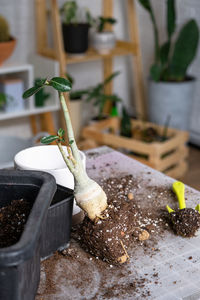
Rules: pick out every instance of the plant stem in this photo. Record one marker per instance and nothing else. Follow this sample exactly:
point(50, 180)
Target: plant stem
point(68, 162)
point(70, 132)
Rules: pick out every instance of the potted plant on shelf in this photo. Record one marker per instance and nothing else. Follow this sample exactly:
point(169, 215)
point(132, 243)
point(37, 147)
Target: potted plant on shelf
point(99, 98)
point(24, 200)
point(103, 41)
point(75, 27)
point(4, 98)
point(95, 94)
point(7, 42)
point(170, 87)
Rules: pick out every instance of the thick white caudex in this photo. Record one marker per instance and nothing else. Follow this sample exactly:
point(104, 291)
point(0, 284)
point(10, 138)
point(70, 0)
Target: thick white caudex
point(88, 194)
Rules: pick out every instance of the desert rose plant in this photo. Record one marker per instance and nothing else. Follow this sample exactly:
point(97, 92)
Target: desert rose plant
point(88, 194)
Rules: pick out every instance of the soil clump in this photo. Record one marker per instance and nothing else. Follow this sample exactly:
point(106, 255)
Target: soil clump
point(185, 222)
point(124, 222)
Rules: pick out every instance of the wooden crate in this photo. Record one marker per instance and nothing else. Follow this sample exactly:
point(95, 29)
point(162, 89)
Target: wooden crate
point(168, 157)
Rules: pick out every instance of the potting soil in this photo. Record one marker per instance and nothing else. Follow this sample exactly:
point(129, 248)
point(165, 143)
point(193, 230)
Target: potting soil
point(12, 220)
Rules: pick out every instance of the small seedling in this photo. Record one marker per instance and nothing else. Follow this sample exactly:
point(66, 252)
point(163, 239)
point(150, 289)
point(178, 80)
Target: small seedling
point(88, 194)
point(185, 221)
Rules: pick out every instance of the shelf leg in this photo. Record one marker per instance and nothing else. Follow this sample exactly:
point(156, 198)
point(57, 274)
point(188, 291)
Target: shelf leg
point(107, 11)
point(137, 61)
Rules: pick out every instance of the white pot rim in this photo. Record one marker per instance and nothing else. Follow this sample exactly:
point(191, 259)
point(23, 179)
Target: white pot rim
point(18, 159)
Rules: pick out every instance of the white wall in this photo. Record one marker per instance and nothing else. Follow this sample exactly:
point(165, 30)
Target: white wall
point(20, 14)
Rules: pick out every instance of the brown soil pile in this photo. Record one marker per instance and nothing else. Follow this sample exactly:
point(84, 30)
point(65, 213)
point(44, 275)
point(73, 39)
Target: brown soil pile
point(12, 220)
point(125, 223)
point(185, 222)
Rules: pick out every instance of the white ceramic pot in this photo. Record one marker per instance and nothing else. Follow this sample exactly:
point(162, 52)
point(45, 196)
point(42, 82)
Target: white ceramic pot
point(48, 159)
point(103, 42)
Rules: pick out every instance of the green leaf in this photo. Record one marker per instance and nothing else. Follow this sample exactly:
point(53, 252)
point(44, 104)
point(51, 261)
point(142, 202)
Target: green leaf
point(69, 11)
point(125, 125)
point(30, 92)
point(60, 84)
point(109, 78)
point(146, 4)
point(171, 17)
point(49, 139)
point(164, 52)
point(185, 50)
point(61, 132)
point(156, 72)
point(40, 82)
point(71, 142)
point(70, 78)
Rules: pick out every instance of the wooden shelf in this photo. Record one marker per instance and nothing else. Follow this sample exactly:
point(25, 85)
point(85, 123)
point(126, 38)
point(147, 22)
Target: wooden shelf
point(122, 48)
point(28, 112)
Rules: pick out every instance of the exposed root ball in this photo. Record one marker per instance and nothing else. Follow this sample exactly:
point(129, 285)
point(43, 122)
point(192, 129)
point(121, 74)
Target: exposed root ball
point(185, 222)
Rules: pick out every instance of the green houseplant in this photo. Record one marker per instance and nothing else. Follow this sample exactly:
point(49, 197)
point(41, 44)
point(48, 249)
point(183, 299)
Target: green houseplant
point(103, 40)
point(75, 27)
point(4, 98)
point(7, 42)
point(170, 87)
point(88, 194)
point(98, 97)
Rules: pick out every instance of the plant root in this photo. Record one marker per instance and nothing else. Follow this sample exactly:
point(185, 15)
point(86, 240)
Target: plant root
point(122, 259)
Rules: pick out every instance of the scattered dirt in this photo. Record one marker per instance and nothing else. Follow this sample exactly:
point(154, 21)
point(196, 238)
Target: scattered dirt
point(12, 220)
point(134, 207)
point(185, 222)
point(125, 223)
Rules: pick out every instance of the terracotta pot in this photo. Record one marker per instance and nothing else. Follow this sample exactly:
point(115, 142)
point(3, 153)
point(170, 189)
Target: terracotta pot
point(6, 49)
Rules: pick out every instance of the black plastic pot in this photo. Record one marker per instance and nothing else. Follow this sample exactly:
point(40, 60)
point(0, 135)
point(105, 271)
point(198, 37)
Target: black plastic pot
point(20, 263)
point(57, 228)
point(75, 37)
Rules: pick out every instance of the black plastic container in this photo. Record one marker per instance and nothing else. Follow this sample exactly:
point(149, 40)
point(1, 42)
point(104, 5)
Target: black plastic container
point(57, 228)
point(20, 263)
point(75, 37)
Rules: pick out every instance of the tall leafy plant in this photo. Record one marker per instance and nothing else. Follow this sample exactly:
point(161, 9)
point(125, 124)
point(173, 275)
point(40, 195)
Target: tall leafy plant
point(172, 59)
